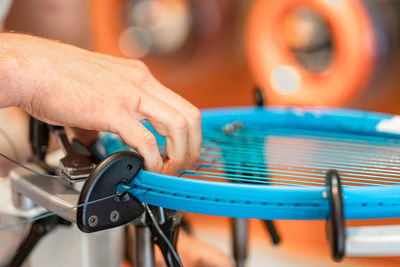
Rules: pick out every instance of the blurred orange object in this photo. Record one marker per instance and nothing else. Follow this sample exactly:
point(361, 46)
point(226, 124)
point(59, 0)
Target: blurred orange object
point(284, 79)
point(209, 71)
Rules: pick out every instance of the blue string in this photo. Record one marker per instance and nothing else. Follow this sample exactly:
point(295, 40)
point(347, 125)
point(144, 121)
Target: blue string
point(287, 133)
point(287, 173)
point(260, 128)
point(284, 161)
point(318, 168)
point(259, 153)
point(267, 145)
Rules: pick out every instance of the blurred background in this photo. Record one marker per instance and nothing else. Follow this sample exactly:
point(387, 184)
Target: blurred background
point(339, 53)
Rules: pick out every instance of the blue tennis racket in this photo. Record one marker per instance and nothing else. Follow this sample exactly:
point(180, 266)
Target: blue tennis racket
point(265, 163)
point(271, 163)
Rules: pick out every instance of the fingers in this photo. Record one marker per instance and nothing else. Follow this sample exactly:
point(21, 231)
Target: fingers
point(169, 114)
point(173, 125)
point(190, 112)
point(138, 137)
point(154, 88)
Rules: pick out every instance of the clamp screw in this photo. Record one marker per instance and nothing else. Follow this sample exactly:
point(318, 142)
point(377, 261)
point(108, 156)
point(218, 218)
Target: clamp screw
point(114, 216)
point(93, 220)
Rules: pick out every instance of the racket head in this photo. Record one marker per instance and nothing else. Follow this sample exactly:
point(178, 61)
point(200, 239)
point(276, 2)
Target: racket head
point(273, 164)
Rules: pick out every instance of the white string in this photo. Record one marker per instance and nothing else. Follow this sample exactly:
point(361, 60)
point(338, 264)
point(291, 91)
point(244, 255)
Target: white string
point(29, 169)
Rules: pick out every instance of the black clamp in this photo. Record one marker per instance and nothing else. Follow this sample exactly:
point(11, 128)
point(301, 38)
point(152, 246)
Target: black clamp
point(118, 168)
point(100, 206)
point(101, 179)
point(335, 228)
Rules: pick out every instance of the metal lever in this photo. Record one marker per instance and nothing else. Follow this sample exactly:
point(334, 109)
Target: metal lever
point(74, 165)
point(143, 246)
point(239, 241)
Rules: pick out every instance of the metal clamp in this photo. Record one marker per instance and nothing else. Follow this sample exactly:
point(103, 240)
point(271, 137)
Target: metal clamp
point(335, 229)
point(77, 163)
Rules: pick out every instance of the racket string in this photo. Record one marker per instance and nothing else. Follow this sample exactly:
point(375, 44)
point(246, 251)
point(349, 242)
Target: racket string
point(284, 165)
point(271, 144)
point(293, 134)
point(278, 171)
point(259, 153)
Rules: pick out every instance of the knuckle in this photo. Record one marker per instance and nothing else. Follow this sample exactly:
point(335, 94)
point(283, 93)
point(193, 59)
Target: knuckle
point(194, 114)
point(142, 72)
point(180, 122)
point(148, 140)
point(140, 65)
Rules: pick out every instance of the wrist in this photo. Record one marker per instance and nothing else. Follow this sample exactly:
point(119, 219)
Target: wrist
point(9, 85)
point(15, 87)
point(16, 71)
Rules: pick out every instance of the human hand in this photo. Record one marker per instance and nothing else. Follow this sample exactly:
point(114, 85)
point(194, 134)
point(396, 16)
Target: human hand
point(64, 85)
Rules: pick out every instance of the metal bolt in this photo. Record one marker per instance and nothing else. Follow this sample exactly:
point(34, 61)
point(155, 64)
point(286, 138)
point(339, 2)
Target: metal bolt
point(93, 220)
point(114, 216)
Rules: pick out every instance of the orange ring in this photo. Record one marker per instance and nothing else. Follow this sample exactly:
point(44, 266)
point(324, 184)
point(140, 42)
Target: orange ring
point(352, 62)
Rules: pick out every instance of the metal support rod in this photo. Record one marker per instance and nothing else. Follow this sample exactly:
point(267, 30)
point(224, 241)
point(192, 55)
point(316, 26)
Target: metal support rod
point(143, 247)
point(269, 224)
point(239, 242)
